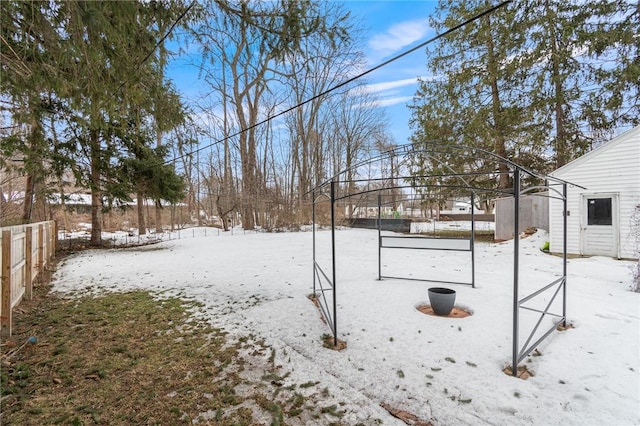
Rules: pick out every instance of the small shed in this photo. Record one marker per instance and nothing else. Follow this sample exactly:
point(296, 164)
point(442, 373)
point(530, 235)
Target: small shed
point(534, 212)
point(604, 218)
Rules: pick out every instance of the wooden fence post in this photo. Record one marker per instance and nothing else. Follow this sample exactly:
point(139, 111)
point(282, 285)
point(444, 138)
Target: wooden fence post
point(28, 257)
point(40, 250)
point(6, 317)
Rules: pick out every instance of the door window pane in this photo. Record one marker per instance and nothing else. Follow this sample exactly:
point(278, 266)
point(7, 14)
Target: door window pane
point(599, 211)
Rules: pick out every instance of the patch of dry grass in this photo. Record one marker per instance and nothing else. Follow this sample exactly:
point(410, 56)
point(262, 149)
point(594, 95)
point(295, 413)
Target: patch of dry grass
point(131, 358)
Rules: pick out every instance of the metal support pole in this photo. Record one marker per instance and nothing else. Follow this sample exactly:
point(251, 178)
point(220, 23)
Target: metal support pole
point(564, 255)
point(379, 237)
point(516, 268)
point(473, 243)
point(313, 233)
point(333, 261)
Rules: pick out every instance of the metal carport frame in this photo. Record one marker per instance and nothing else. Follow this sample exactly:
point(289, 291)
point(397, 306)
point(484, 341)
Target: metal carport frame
point(340, 188)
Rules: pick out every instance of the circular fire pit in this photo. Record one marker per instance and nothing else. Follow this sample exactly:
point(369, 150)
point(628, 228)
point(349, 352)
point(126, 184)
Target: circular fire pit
point(456, 312)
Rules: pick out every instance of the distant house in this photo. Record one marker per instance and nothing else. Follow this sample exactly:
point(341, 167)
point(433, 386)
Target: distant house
point(79, 203)
point(369, 209)
point(604, 218)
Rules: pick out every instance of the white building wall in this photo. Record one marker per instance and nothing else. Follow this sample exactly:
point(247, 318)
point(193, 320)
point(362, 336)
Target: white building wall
point(611, 168)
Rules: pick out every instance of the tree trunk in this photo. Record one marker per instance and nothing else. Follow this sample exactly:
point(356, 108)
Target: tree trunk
point(159, 229)
point(561, 143)
point(3, 207)
point(158, 203)
point(248, 177)
point(499, 144)
point(142, 228)
point(32, 175)
point(28, 200)
point(96, 194)
point(558, 99)
point(40, 202)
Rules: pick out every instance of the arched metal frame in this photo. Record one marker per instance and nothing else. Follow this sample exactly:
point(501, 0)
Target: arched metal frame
point(425, 244)
point(324, 284)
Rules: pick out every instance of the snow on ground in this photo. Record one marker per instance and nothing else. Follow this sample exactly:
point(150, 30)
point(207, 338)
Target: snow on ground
point(131, 236)
point(442, 369)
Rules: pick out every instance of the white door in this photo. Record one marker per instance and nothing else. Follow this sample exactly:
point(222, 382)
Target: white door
point(599, 228)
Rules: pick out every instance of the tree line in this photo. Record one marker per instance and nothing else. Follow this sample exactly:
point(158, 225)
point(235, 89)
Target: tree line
point(539, 82)
point(88, 103)
point(86, 100)
point(83, 87)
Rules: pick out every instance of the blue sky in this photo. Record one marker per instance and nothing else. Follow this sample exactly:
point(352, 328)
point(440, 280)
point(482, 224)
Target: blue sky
point(391, 27)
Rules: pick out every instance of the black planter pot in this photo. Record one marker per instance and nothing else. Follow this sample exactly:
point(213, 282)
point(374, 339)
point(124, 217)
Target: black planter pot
point(442, 300)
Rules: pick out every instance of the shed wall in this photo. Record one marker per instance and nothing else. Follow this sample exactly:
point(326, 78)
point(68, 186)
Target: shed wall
point(612, 168)
point(534, 212)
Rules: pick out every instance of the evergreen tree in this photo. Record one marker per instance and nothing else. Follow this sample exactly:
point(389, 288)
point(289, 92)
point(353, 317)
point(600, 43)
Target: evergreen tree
point(474, 96)
point(614, 51)
point(27, 85)
point(147, 173)
point(111, 72)
point(527, 82)
point(555, 70)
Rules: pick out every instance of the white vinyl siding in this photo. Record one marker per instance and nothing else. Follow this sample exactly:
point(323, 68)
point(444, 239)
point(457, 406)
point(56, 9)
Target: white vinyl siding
point(613, 168)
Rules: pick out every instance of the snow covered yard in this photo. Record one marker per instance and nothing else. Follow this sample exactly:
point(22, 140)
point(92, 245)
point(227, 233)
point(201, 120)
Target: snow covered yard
point(445, 370)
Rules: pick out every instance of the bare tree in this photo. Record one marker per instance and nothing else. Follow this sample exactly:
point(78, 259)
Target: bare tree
point(356, 126)
point(245, 50)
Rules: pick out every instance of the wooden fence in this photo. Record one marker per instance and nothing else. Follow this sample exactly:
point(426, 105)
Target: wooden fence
point(25, 251)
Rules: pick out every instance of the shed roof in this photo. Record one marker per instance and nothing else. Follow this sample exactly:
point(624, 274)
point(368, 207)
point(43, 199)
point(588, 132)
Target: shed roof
point(628, 136)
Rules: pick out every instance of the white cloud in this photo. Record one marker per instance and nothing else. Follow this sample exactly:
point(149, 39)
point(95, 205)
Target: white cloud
point(388, 85)
point(392, 101)
point(398, 36)
point(389, 93)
